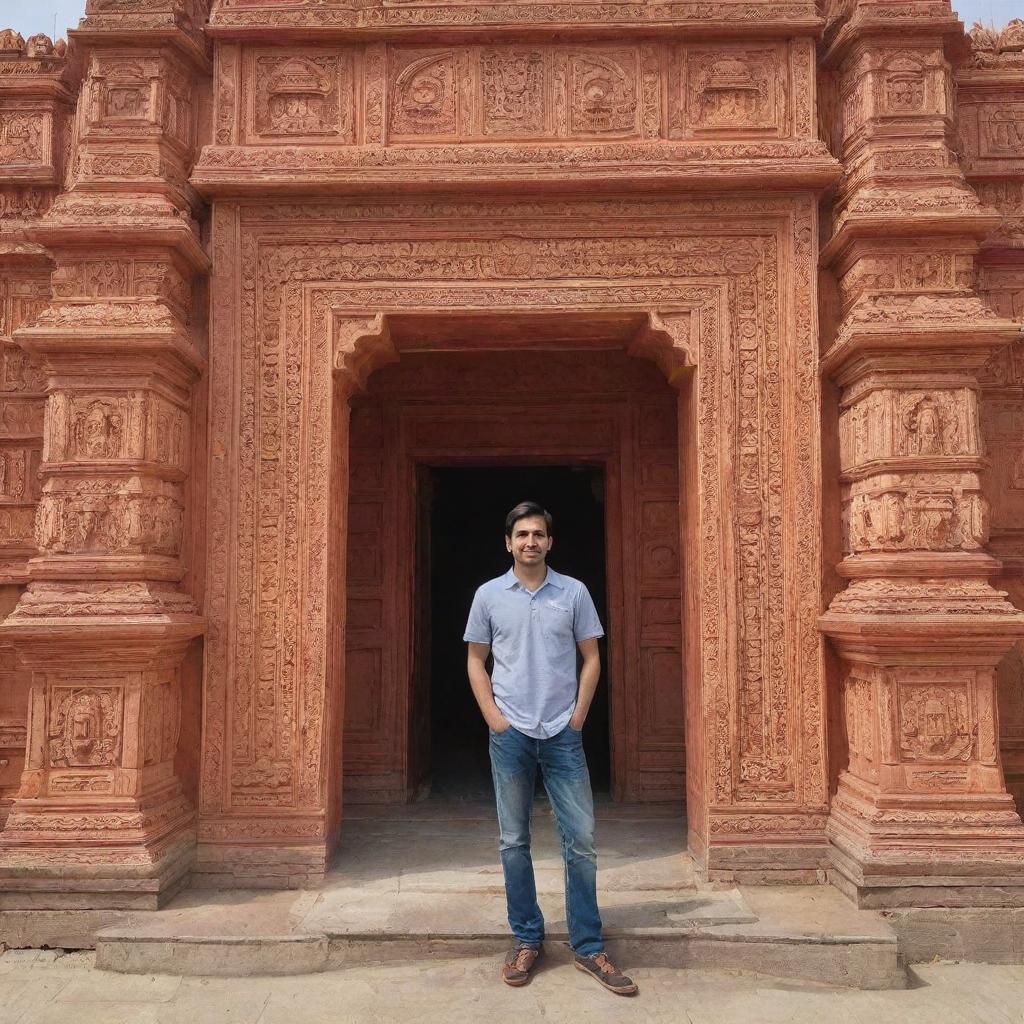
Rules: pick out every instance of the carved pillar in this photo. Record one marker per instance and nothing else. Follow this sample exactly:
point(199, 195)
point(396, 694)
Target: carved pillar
point(37, 80)
point(992, 147)
point(921, 814)
point(104, 624)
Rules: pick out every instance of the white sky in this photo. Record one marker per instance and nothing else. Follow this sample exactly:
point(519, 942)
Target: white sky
point(31, 16)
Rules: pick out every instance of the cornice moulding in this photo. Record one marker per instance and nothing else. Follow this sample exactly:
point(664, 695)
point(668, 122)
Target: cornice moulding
point(258, 170)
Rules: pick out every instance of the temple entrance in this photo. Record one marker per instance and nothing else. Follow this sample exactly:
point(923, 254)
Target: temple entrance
point(460, 545)
point(441, 445)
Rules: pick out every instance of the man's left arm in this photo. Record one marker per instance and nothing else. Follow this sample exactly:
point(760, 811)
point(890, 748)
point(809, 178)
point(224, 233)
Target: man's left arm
point(589, 675)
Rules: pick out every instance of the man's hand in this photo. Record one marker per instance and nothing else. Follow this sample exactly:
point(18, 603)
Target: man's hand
point(480, 682)
point(589, 675)
point(498, 722)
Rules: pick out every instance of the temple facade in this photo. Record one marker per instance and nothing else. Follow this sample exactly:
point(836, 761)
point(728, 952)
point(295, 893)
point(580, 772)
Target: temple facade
point(760, 261)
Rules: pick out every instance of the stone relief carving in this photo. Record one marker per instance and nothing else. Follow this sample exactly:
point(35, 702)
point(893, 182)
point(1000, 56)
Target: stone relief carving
point(96, 519)
point(85, 726)
point(121, 90)
point(1002, 132)
point(23, 137)
point(603, 93)
point(424, 94)
point(935, 723)
point(99, 430)
point(903, 87)
point(514, 89)
point(732, 88)
point(859, 712)
point(889, 424)
point(919, 518)
point(301, 95)
point(931, 424)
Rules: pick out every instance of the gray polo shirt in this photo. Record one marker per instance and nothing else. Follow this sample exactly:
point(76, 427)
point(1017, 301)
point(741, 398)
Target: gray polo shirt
point(533, 639)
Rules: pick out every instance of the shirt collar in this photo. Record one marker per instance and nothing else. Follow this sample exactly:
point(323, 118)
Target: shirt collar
point(510, 581)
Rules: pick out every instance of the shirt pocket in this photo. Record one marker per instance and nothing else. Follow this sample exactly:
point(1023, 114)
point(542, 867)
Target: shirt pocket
point(556, 622)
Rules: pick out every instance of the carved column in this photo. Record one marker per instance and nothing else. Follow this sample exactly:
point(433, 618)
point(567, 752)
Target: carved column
point(992, 146)
point(921, 814)
point(37, 80)
point(104, 624)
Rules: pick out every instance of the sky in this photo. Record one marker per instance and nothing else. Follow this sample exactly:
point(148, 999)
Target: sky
point(31, 16)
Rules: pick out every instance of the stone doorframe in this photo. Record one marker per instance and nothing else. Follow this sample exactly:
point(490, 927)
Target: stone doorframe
point(300, 321)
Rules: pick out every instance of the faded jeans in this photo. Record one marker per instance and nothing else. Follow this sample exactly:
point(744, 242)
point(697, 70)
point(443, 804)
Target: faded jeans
point(514, 762)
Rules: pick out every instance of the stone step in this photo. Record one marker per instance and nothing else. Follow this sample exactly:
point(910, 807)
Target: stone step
point(816, 937)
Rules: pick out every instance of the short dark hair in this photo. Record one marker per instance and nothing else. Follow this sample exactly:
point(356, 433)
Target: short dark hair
point(525, 510)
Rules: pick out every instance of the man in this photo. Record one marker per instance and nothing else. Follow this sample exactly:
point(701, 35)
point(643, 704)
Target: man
point(532, 619)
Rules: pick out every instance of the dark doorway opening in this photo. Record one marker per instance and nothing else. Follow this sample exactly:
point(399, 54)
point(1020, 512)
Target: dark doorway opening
point(461, 544)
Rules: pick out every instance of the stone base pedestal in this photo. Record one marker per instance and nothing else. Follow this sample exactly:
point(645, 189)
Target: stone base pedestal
point(139, 877)
point(962, 850)
point(100, 819)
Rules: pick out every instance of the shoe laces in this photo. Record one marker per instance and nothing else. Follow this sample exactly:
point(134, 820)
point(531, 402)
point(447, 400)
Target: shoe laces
point(523, 958)
point(604, 963)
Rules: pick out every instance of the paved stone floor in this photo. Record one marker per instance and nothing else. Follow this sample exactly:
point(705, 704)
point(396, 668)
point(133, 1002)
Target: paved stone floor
point(44, 988)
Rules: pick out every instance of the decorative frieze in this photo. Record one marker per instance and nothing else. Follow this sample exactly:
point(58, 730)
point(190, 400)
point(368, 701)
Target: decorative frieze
point(428, 94)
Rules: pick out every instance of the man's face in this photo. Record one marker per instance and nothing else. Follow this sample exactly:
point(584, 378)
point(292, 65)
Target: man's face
point(530, 542)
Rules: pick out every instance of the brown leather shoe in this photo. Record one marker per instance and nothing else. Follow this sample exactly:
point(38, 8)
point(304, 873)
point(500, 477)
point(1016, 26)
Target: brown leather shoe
point(519, 962)
point(603, 970)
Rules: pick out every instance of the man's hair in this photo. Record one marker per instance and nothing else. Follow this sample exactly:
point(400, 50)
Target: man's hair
point(525, 510)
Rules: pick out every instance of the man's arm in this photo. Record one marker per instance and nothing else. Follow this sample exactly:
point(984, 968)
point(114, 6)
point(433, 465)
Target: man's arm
point(589, 675)
point(480, 681)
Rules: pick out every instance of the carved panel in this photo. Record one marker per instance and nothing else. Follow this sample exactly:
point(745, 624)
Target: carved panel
point(301, 94)
point(603, 94)
point(85, 726)
point(1002, 131)
point(935, 722)
point(915, 514)
point(992, 133)
point(104, 517)
point(22, 387)
point(161, 719)
point(514, 92)
point(891, 424)
point(425, 93)
point(731, 89)
point(24, 137)
point(123, 91)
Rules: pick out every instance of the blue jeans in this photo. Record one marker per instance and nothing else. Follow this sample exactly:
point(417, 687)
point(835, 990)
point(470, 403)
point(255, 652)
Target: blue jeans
point(514, 762)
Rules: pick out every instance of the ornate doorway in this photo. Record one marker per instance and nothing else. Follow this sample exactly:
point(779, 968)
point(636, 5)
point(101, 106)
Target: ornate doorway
point(598, 409)
point(714, 292)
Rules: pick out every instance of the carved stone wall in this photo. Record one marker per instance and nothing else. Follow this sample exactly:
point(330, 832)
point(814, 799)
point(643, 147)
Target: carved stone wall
point(645, 175)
